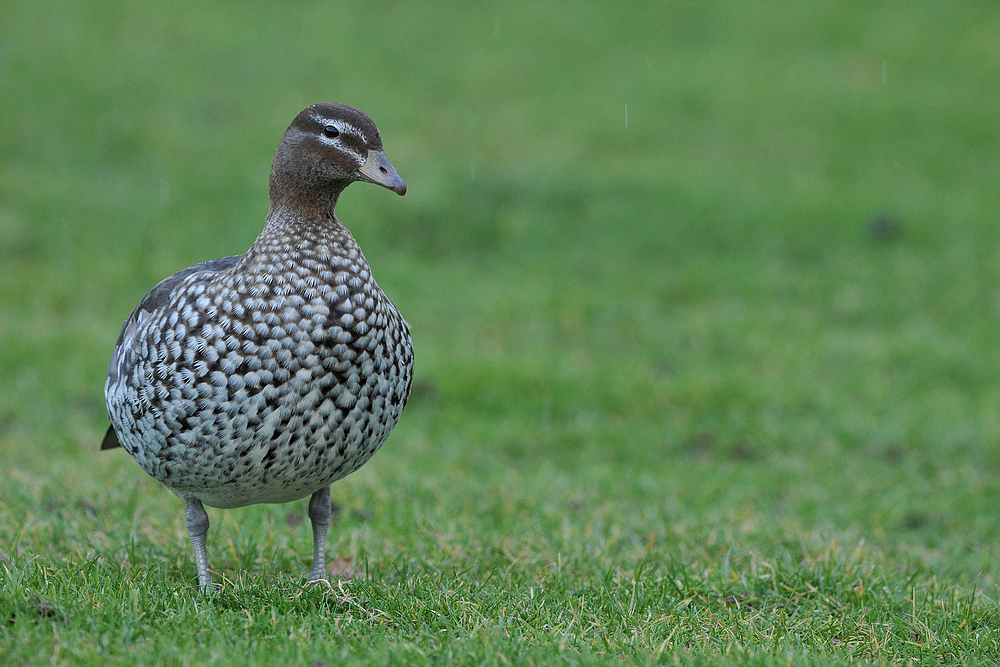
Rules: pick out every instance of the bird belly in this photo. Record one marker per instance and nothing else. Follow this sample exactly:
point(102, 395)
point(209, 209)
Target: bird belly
point(275, 445)
point(267, 417)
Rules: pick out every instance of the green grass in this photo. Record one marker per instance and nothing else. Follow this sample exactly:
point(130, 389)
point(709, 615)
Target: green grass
point(718, 386)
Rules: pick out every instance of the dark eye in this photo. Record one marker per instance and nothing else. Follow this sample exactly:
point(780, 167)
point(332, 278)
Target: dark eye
point(331, 132)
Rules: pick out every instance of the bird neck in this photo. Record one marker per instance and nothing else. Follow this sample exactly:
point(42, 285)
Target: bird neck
point(291, 237)
point(290, 193)
point(301, 221)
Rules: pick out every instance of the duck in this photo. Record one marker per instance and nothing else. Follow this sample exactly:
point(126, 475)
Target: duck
point(267, 376)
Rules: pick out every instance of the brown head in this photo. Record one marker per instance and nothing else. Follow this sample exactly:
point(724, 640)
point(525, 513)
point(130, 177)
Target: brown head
point(326, 148)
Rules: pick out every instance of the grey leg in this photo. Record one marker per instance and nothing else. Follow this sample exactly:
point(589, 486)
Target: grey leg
point(319, 514)
point(197, 524)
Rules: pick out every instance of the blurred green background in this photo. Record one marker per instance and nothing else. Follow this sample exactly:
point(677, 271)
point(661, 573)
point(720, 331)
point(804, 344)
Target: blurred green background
point(720, 278)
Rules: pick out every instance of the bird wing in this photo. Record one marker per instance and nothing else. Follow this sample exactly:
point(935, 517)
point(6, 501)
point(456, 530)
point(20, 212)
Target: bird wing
point(157, 297)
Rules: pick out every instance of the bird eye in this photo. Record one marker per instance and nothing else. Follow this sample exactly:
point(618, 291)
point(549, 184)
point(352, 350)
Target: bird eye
point(331, 132)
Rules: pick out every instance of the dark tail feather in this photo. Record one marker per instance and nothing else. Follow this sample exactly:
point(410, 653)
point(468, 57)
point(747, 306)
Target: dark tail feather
point(110, 439)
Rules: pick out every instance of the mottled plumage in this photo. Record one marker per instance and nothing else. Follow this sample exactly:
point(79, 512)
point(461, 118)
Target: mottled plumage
point(265, 377)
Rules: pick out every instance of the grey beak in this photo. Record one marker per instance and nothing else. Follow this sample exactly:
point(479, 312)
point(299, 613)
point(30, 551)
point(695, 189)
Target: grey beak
point(378, 170)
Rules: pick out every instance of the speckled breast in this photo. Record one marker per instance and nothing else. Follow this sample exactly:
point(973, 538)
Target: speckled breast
point(265, 381)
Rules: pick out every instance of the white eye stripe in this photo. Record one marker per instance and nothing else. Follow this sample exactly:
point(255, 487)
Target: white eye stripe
point(342, 147)
point(342, 127)
point(331, 140)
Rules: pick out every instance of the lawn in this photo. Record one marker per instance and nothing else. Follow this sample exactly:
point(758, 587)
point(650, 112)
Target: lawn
point(705, 300)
